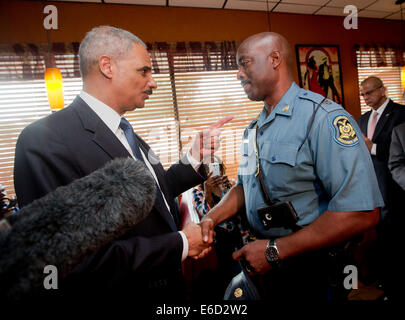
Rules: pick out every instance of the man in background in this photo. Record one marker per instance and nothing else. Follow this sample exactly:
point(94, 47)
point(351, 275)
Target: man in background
point(376, 126)
point(72, 143)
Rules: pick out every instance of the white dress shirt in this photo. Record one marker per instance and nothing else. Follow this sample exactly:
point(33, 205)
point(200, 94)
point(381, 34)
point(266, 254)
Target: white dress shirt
point(379, 111)
point(112, 120)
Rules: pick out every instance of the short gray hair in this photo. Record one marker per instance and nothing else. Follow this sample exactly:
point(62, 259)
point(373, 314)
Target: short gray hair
point(104, 40)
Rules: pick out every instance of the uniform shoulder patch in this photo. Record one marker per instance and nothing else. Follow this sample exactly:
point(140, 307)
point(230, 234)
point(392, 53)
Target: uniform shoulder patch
point(344, 133)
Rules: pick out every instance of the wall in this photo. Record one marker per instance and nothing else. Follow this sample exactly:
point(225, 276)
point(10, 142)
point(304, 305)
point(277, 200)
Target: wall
point(21, 21)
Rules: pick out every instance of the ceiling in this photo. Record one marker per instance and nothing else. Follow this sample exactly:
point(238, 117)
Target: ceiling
point(380, 9)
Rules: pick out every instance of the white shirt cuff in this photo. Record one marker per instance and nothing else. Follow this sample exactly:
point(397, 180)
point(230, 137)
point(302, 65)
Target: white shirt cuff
point(194, 163)
point(374, 149)
point(185, 246)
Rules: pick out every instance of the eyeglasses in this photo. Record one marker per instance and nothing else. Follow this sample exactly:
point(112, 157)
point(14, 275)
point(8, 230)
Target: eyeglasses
point(370, 92)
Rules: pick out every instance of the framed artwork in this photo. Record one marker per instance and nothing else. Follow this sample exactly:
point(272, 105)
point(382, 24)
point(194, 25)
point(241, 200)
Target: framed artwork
point(319, 70)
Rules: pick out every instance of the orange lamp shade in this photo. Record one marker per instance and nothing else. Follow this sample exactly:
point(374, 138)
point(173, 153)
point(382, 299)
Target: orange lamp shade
point(403, 77)
point(54, 88)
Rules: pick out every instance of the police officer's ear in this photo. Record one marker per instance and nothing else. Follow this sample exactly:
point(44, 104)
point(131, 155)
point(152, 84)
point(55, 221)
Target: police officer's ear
point(275, 59)
point(105, 65)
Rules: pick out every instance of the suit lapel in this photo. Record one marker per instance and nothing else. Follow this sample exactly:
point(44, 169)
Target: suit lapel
point(102, 135)
point(364, 122)
point(383, 119)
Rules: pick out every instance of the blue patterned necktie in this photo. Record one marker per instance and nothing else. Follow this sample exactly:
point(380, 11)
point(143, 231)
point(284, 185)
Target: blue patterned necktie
point(130, 135)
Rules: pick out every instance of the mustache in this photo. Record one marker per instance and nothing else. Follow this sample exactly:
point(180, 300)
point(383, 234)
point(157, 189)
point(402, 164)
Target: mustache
point(244, 82)
point(149, 92)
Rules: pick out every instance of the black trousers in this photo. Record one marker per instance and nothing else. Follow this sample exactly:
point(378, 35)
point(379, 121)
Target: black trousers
point(301, 278)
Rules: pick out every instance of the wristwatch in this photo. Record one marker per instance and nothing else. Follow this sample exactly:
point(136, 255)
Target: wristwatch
point(271, 254)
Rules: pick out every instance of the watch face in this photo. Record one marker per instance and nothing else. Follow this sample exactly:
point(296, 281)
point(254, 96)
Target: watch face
point(273, 254)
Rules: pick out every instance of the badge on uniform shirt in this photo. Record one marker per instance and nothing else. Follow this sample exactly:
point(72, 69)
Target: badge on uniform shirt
point(344, 132)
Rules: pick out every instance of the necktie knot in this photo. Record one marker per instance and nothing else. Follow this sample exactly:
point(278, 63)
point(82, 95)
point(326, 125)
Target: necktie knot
point(125, 125)
point(375, 115)
point(130, 135)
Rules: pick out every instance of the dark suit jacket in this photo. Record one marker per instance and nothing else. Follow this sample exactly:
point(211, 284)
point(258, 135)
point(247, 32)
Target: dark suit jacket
point(393, 115)
point(74, 142)
point(397, 155)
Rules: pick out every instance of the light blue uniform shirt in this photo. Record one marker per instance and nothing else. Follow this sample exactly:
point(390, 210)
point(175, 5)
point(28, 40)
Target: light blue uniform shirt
point(331, 171)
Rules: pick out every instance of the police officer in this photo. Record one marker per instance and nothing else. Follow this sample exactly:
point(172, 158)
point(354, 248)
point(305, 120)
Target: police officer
point(311, 154)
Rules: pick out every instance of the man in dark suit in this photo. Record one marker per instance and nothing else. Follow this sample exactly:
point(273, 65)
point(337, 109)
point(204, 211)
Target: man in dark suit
point(377, 125)
point(397, 155)
point(69, 144)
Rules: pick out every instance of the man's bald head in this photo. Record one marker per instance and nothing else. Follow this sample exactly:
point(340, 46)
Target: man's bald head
point(265, 66)
point(375, 81)
point(373, 91)
point(270, 41)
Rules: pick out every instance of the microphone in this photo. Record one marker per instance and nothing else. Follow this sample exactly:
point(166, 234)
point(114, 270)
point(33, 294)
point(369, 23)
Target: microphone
point(71, 222)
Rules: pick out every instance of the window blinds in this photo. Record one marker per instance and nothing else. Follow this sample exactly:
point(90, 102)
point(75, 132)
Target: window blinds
point(21, 102)
point(193, 92)
point(390, 75)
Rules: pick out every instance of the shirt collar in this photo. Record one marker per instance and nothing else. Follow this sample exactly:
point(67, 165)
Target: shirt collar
point(109, 116)
point(381, 109)
point(284, 107)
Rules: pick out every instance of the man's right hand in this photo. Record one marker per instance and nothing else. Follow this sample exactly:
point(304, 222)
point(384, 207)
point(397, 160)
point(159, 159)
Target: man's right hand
point(196, 245)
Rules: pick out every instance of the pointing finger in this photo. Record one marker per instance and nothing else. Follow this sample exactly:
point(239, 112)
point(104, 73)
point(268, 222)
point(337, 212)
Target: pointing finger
point(221, 122)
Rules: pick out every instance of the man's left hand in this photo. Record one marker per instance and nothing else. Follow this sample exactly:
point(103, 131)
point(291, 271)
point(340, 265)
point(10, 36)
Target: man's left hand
point(206, 142)
point(254, 254)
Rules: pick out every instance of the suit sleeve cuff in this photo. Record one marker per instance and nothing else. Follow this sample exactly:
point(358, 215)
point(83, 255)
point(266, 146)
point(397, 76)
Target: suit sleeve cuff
point(193, 162)
point(374, 149)
point(185, 246)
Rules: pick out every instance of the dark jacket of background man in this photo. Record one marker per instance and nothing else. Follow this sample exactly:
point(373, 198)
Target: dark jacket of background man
point(397, 155)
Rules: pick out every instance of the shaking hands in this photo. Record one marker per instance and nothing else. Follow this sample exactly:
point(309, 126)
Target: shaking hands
point(197, 248)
